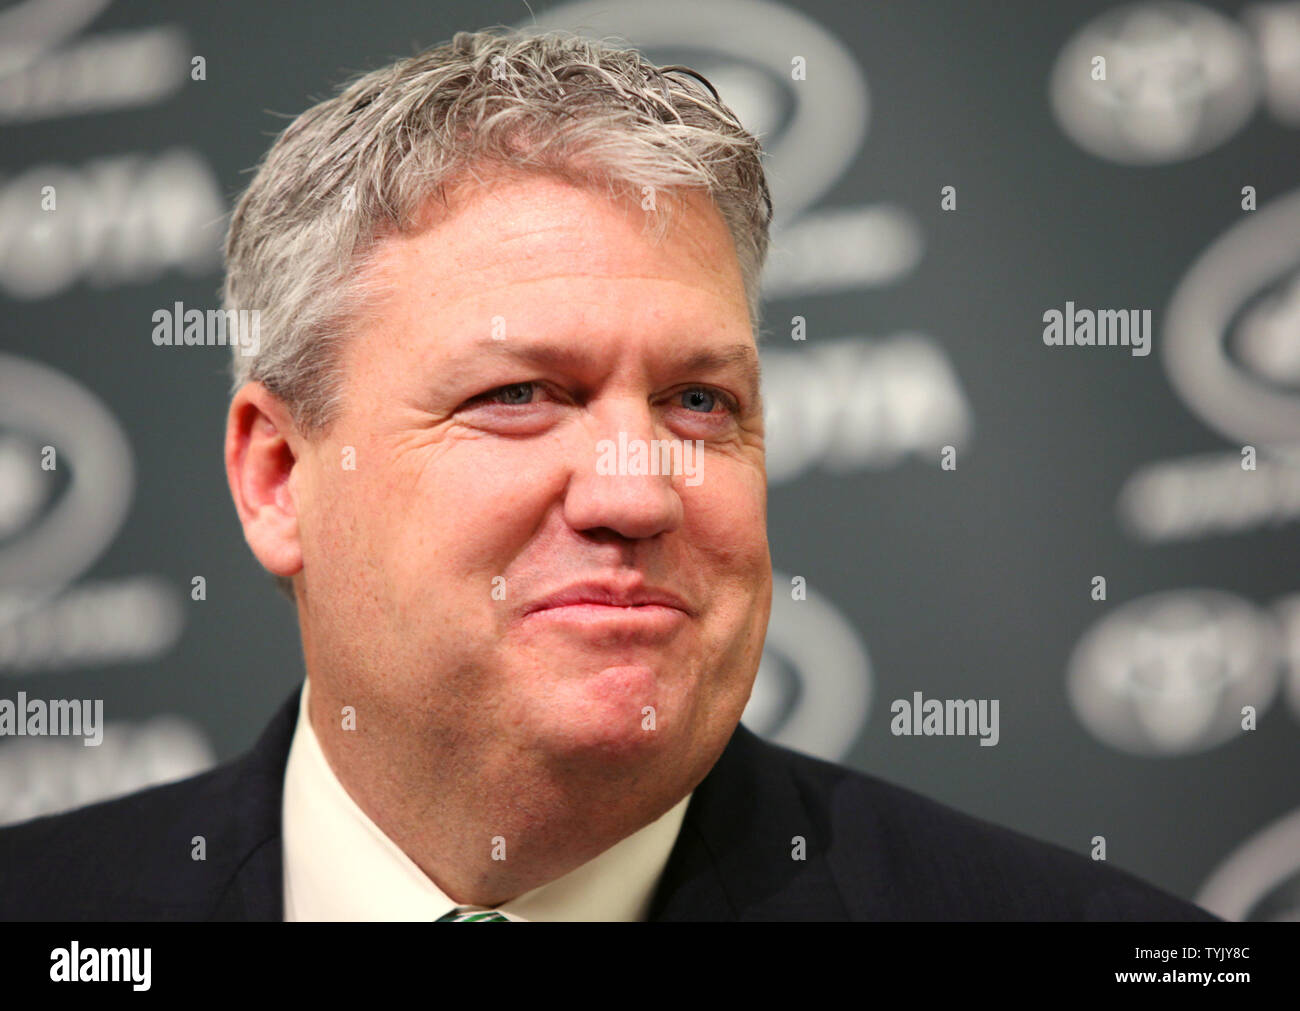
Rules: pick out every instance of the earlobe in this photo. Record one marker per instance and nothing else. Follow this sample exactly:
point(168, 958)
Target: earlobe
point(260, 468)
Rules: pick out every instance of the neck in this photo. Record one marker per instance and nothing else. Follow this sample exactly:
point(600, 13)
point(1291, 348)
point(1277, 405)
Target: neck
point(487, 823)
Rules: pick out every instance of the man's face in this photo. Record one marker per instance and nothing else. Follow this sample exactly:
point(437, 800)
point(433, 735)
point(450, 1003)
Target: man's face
point(533, 320)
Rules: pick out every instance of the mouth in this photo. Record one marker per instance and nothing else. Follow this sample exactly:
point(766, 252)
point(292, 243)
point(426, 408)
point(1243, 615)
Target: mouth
point(653, 619)
point(608, 606)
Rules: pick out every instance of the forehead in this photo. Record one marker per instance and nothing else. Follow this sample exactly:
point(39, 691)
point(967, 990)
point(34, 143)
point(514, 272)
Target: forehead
point(548, 247)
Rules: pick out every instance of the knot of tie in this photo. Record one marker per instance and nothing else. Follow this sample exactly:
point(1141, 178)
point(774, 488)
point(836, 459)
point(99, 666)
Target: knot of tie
point(472, 914)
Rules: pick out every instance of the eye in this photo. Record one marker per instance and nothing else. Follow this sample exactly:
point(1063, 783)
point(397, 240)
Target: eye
point(516, 409)
point(703, 399)
point(514, 395)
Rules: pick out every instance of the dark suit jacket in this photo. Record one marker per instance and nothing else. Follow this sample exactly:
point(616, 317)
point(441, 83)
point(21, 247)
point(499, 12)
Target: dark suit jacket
point(873, 852)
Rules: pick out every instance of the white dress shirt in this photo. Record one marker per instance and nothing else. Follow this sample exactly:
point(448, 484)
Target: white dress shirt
point(339, 865)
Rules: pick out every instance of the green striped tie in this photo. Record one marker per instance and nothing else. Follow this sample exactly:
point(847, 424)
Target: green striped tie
point(468, 914)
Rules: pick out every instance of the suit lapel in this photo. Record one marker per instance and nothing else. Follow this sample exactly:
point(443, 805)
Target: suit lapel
point(737, 856)
point(256, 890)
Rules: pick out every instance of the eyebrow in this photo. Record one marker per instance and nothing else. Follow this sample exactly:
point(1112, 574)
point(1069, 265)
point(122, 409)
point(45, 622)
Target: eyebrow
point(548, 356)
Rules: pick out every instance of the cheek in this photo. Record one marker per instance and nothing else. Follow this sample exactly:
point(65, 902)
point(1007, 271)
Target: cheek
point(341, 549)
point(729, 518)
point(464, 516)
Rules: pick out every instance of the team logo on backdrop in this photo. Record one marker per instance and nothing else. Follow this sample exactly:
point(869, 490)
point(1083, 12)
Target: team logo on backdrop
point(1232, 332)
point(1260, 880)
point(1155, 82)
point(1170, 673)
point(67, 478)
point(51, 540)
point(1231, 350)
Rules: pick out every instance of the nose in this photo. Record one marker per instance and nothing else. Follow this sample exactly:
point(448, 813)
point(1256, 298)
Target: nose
point(619, 481)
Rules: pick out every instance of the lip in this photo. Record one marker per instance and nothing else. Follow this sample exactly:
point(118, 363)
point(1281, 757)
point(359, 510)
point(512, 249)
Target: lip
point(626, 599)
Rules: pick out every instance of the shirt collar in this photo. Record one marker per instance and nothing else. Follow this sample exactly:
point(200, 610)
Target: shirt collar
point(339, 865)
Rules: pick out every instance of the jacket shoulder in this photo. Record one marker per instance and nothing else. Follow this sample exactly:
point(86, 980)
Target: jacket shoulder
point(155, 853)
point(203, 847)
point(896, 852)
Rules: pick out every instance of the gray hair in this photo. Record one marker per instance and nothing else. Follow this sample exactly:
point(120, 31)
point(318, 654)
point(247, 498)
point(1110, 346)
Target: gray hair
point(360, 166)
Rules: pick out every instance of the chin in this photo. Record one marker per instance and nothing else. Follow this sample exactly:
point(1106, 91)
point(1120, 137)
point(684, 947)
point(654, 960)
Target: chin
point(609, 724)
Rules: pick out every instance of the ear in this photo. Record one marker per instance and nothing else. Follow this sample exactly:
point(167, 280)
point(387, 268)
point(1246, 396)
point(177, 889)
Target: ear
point(260, 457)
